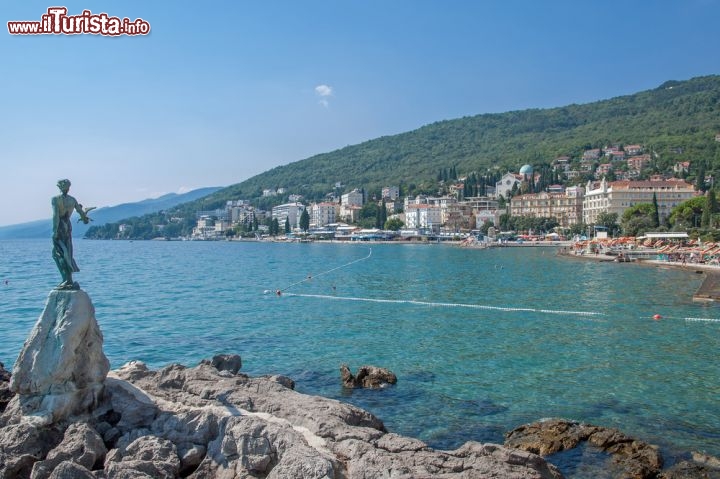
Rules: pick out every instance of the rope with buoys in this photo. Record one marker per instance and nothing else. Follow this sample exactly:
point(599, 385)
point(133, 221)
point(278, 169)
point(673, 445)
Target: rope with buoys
point(310, 276)
point(448, 305)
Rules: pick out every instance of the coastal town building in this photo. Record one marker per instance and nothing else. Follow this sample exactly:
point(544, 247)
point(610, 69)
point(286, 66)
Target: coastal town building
point(209, 227)
point(219, 213)
point(617, 156)
point(591, 155)
point(289, 211)
point(637, 163)
point(602, 170)
point(618, 196)
point(350, 213)
point(484, 216)
point(353, 198)
point(633, 150)
point(477, 210)
point(391, 192)
point(565, 207)
point(393, 206)
point(506, 184)
point(240, 211)
point(446, 205)
point(681, 167)
point(322, 214)
point(481, 203)
point(422, 216)
point(561, 163)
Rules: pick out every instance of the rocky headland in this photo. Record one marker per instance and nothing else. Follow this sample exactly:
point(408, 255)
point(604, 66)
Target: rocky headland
point(204, 422)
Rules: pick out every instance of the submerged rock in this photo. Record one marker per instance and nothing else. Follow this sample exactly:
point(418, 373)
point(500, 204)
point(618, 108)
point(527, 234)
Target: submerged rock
point(700, 466)
point(367, 377)
point(637, 459)
point(204, 423)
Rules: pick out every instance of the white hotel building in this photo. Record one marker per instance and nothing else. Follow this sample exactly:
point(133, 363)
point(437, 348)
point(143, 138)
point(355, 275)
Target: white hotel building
point(422, 216)
point(618, 196)
point(290, 211)
point(322, 214)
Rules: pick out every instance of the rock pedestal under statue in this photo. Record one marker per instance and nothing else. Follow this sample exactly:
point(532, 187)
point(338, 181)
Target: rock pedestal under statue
point(61, 369)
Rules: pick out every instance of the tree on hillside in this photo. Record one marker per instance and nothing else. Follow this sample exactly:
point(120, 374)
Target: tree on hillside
point(305, 220)
point(287, 225)
point(700, 179)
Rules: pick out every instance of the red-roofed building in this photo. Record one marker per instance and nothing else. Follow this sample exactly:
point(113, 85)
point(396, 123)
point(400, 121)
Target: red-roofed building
point(681, 167)
point(633, 150)
point(602, 170)
point(637, 163)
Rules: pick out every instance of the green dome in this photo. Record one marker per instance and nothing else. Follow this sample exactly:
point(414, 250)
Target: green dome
point(526, 170)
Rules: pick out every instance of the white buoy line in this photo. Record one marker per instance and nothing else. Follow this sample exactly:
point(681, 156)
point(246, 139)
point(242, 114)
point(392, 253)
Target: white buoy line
point(435, 304)
point(706, 320)
point(446, 305)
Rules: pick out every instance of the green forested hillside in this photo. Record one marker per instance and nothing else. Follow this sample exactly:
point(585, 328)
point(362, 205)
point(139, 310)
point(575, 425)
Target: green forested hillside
point(677, 116)
point(676, 121)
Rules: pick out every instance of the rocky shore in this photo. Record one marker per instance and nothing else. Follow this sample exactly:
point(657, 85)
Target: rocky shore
point(205, 422)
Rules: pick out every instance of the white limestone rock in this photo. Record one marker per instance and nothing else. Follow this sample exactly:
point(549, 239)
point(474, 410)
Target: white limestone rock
point(61, 368)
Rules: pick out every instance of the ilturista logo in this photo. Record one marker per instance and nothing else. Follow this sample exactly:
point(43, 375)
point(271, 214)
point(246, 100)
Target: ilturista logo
point(57, 22)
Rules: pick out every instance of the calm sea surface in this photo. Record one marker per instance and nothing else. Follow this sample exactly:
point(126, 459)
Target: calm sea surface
point(481, 340)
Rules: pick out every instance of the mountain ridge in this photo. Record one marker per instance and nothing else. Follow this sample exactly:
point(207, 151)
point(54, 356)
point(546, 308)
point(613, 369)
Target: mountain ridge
point(106, 214)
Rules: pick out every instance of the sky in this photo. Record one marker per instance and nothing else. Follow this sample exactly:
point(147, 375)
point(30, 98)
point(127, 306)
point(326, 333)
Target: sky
point(220, 91)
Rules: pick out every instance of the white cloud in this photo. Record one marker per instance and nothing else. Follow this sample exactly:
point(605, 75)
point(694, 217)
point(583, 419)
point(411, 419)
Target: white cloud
point(324, 92)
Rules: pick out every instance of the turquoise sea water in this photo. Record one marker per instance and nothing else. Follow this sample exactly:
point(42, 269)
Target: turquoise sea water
point(481, 340)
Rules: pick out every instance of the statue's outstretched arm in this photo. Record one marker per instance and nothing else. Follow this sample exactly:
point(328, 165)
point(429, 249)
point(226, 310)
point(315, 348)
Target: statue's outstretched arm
point(84, 213)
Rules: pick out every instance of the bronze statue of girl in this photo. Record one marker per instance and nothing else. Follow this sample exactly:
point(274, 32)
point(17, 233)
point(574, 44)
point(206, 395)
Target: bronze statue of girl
point(63, 206)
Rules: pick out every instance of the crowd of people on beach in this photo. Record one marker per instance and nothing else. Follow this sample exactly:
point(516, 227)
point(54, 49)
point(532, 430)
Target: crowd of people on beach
point(671, 251)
